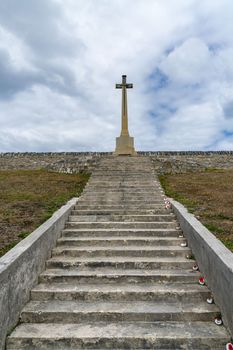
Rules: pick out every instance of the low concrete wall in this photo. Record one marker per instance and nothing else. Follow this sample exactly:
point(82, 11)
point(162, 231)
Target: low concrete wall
point(21, 266)
point(215, 261)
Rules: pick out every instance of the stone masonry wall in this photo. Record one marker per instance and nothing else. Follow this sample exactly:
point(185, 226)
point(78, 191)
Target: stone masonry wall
point(182, 162)
point(73, 162)
point(66, 162)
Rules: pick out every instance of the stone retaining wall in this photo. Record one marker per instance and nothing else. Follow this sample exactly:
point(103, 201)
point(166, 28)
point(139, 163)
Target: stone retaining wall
point(67, 162)
point(73, 162)
point(181, 162)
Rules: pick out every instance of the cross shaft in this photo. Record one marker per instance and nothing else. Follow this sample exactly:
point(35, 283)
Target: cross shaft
point(124, 117)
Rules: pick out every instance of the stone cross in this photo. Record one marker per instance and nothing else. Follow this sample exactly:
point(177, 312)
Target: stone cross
point(124, 143)
point(124, 115)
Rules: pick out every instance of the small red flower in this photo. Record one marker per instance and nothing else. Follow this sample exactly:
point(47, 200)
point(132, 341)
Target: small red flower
point(202, 281)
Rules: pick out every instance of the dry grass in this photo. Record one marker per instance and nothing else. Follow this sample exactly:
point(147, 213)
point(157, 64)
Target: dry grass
point(208, 195)
point(29, 197)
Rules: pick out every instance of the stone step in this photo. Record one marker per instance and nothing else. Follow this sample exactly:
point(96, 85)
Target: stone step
point(116, 241)
point(123, 335)
point(126, 179)
point(125, 218)
point(121, 198)
point(127, 192)
point(129, 163)
point(115, 185)
point(119, 203)
point(121, 232)
point(125, 163)
point(132, 172)
point(123, 292)
point(158, 211)
point(112, 171)
point(125, 201)
point(124, 173)
point(130, 251)
point(58, 311)
point(124, 182)
point(123, 177)
point(97, 189)
point(146, 263)
point(129, 206)
point(120, 192)
point(117, 275)
point(119, 225)
point(119, 189)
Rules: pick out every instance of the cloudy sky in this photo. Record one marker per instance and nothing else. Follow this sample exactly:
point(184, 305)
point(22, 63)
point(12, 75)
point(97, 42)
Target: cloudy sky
point(60, 60)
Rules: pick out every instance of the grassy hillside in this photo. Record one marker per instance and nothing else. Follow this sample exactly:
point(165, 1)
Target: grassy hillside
point(29, 197)
point(209, 196)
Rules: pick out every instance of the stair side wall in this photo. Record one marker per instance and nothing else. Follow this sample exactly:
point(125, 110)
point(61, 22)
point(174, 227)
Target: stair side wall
point(21, 266)
point(215, 261)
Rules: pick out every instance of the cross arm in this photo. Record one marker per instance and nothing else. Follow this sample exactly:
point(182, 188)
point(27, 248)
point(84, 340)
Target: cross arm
point(128, 86)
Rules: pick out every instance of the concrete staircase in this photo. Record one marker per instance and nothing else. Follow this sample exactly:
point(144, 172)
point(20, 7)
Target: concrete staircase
point(119, 278)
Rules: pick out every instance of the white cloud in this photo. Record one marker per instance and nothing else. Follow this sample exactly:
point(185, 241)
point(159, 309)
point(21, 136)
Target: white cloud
point(225, 145)
point(59, 62)
point(15, 49)
point(192, 127)
point(188, 63)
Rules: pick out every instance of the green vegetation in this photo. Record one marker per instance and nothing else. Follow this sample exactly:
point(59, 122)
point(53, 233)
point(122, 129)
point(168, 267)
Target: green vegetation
point(30, 197)
point(208, 195)
point(170, 192)
point(214, 228)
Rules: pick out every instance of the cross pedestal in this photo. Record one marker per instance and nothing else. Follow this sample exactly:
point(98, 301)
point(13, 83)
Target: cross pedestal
point(124, 143)
point(125, 146)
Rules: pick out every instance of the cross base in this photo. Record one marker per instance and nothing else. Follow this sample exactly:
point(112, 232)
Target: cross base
point(125, 146)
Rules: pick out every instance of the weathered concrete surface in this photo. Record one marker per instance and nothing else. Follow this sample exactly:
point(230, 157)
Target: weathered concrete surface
point(120, 335)
point(214, 259)
point(21, 266)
